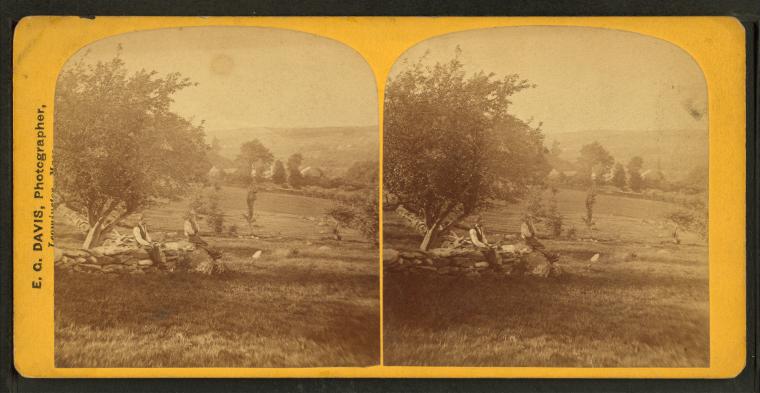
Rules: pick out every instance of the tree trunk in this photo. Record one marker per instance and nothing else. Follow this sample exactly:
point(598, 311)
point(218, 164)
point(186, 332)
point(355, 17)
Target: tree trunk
point(94, 235)
point(431, 238)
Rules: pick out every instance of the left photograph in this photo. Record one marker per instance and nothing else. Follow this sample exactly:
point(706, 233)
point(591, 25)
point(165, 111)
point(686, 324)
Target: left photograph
point(216, 202)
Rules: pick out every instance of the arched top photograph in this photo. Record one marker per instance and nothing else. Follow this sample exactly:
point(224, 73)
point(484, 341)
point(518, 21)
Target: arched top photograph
point(531, 167)
point(239, 163)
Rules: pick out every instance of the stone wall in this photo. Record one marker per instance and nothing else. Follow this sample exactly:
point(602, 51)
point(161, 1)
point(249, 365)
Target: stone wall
point(180, 255)
point(512, 260)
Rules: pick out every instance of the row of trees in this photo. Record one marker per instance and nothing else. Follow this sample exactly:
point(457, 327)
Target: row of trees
point(254, 155)
point(597, 165)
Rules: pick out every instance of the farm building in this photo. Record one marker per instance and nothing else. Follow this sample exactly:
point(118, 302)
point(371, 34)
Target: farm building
point(559, 175)
point(653, 175)
point(214, 172)
point(312, 172)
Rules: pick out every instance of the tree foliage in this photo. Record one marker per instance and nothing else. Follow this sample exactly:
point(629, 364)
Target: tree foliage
point(691, 216)
point(279, 176)
point(253, 152)
point(618, 176)
point(295, 179)
point(451, 146)
point(594, 161)
point(547, 214)
point(118, 144)
point(362, 172)
point(361, 213)
point(254, 156)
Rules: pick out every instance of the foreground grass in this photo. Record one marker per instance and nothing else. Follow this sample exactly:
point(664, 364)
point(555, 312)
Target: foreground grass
point(644, 304)
point(318, 308)
point(315, 307)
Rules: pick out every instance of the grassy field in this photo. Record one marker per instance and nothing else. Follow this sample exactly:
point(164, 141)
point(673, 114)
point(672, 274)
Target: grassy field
point(313, 308)
point(643, 304)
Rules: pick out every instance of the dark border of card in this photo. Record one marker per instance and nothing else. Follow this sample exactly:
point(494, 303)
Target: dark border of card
point(746, 11)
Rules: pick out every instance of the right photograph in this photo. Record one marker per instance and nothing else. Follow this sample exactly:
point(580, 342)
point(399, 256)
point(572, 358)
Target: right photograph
point(545, 201)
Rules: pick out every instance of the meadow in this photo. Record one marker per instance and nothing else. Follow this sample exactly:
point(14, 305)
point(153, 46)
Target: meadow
point(644, 303)
point(307, 301)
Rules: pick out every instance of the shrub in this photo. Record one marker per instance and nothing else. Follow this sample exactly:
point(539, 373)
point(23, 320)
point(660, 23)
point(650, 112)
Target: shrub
point(360, 212)
point(206, 203)
point(547, 215)
point(692, 216)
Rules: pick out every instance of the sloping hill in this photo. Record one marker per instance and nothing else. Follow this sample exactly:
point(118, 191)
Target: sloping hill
point(333, 149)
point(677, 151)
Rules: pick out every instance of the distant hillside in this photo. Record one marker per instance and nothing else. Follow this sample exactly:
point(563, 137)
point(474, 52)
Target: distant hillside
point(333, 149)
point(677, 151)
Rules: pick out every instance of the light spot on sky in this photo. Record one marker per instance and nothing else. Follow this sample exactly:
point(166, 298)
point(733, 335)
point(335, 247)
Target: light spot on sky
point(253, 77)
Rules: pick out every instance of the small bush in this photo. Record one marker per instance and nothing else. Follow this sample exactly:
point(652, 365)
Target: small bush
point(547, 215)
point(571, 232)
point(360, 212)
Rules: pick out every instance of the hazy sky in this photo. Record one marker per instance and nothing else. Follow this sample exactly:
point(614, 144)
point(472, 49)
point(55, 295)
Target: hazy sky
point(586, 78)
point(253, 77)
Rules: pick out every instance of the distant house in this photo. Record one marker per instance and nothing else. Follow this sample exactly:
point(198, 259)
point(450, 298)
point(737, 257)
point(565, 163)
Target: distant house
point(214, 172)
point(312, 172)
point(559, 175)
point(653, 175)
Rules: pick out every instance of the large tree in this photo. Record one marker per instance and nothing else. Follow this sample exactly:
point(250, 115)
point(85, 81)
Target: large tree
point(618, 176)
point(294, 170)
point(279, 176)
point(594, 161)
point(451, 146)
point(118, 144)
point(254, 155)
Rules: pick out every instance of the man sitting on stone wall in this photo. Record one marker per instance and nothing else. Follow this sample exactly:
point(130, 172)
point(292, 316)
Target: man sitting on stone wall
point(528, 233)
point(478, 239)
point(142, 237)
point(192, 231)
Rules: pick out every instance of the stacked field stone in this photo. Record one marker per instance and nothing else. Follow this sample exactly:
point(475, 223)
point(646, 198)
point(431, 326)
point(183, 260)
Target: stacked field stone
point(121, 258)
point(520, 260)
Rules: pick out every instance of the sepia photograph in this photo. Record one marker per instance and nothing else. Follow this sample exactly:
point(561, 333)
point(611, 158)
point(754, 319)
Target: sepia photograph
point(216, 202)
point(545, 201)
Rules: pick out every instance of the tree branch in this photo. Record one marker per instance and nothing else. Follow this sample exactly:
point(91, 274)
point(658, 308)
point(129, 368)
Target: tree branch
point(110, 225)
